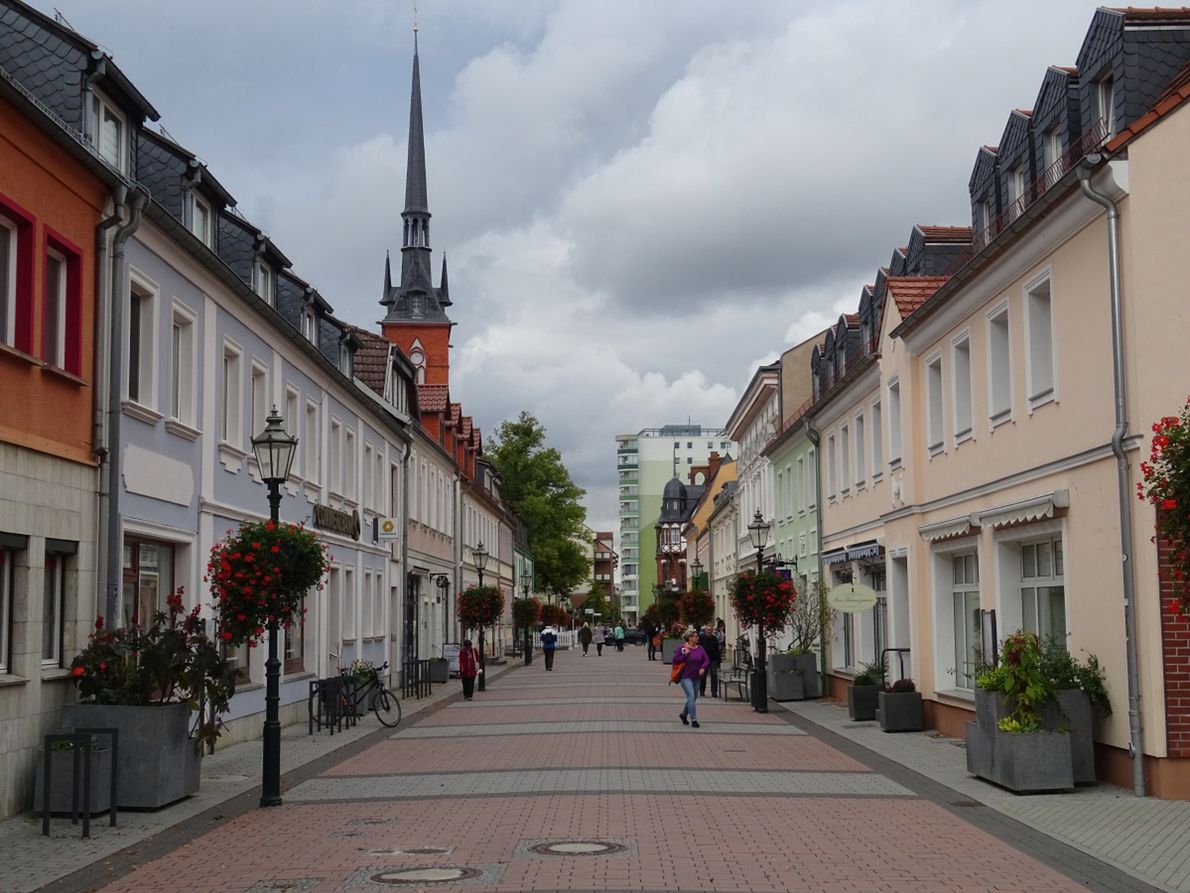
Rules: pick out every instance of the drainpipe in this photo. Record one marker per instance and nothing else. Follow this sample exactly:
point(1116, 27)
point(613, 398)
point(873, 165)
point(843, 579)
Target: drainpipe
point(404, 619)
point(99, 368)
point(115, 565)
point(1135, 745)
point(815, 440)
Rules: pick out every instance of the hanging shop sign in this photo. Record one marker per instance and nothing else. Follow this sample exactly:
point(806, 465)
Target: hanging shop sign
point(335, 521)
point(388, 530)
point(851, 598)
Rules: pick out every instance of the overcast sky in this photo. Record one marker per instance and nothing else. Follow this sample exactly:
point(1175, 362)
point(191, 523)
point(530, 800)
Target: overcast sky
point(640, 200)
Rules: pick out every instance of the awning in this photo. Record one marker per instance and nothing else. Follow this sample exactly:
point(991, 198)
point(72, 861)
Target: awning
point(944, 530)
point(860, 551)
point(1036, 509)
point(835, 556)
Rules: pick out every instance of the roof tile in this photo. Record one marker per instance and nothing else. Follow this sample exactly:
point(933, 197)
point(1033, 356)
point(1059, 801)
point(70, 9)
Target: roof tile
point(433, 397)
point(910, 292)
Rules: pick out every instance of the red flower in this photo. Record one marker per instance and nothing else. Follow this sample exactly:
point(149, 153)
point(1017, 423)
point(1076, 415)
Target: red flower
point(1169, 504)
point(99, 622)
point(103, 666)
point(227, 637)
point(77, 671)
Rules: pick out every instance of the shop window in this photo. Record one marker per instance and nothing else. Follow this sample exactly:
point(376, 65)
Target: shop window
point(7, 561)
point(148, 580)
point(52, 609)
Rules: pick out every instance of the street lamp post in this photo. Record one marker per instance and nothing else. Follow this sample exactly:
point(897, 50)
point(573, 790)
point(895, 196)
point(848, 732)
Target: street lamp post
point(758, 532)
point(696, 570)
point(526, 580)
point(480, 556)
point(274, 448)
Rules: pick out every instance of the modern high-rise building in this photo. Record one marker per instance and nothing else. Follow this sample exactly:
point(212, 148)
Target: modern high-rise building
point(645, 463)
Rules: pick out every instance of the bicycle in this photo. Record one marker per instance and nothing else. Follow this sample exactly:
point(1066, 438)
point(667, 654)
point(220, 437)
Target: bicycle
point(354, 693)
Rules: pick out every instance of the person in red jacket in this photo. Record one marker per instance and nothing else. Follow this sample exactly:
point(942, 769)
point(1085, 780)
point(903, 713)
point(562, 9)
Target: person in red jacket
point(468, 668)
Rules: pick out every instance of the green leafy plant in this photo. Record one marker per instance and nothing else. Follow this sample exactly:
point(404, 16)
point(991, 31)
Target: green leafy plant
point(1018, 725)
point(870, 673)
point(173, 660)
point(261, 574)
point(1023, 681)
point(1065, 671)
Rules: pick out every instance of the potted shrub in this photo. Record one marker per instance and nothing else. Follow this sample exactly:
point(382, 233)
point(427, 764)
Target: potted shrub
point(439, 670)
point(863, 695)
point(1079, 688)
point(1008, 743)
point(148, 683)
point(793, 674)
point(900, 707)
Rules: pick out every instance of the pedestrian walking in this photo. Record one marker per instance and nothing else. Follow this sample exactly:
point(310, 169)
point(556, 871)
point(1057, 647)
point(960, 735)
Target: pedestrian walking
point(694, 663)
point(549, 641)
point(468, 668)
point(599, 637)
point(619, 637)
point(585, 636)
point(710, 644)
point(654, 640)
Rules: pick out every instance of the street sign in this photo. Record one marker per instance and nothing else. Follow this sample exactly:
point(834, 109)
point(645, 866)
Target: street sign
point(389, 530)
point(849, 598)
point(588, 610)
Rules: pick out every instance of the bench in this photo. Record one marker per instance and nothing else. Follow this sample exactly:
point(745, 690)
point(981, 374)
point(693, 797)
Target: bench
point(738, 676)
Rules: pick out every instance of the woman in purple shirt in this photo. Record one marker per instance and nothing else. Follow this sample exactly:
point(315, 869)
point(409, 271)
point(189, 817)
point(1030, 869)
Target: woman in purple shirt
point(694, 663)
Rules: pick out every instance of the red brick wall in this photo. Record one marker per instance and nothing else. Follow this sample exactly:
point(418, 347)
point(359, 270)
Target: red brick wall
point(1175, 651)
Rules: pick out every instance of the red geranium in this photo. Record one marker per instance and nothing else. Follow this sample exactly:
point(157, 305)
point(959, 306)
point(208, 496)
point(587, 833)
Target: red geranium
point(1166, 486)
point(763, 598)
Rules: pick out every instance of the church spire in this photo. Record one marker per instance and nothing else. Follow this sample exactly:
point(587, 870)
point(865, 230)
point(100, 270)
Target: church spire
point(387, 295)
point(443, 287)
point(415, 171)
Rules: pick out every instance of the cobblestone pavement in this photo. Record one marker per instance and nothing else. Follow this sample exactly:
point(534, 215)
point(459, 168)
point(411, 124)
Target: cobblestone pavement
point(567, 791)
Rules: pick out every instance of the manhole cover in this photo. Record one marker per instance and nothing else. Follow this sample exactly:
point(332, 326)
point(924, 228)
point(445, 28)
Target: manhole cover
point(578, 848)
point(446, 875)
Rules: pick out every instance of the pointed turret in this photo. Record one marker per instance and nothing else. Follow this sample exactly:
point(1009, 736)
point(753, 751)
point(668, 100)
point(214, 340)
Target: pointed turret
point(443, 286)
point(387, 294)
point(415, 171)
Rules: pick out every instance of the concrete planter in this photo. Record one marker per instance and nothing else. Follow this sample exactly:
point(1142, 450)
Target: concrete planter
point(862, 701)
point(159, 763)
point(1071, 712)
point(440, 670)
point(1025, 763)
point(793, 677)
point(901, 711)
point(62, 780)
point(669, 647)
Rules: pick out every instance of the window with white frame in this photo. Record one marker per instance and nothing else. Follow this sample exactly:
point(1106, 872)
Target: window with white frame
point(349, 464)
point(309, 325)
point(1039, 339)
point(845, 460)
point(181, 371)
point(259, 394)
point(8, 281)
point(983, 214)
point(366, 605)
point(7, 562)
point(201, 219)
point(232, 418)
point(141, 341)
point(781, 503)
point(961, 373)
point(336, 457)
point(1051, 149)
point(350, 599)
point(109, 132)
point(999, 367)
point(831, 470)
point(968, 625)
point(1105, 103)
point(1043, 589)
point(53, 607)
point(291, 422)
point(264, 281)
point(345, 365)
point(861, 457)
point(811, 479)
point(313, 455)
point(894, 423)
point(378, 605)
point(934, 404)
point(54, 310)
point(800, 485)
point(368, 497)
point(877, 441)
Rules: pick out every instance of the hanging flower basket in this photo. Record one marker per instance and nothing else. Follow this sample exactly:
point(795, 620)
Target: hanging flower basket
point(525, 612)
point(261, 574)
point(764, 599)
point(480, 606)
point(1167, 486)
point(698, 608)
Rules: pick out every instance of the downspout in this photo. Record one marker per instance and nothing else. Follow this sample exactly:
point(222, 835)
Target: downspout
point(407, 638)
point(815, 441)
point(115, 565)
point(99, 447)
point(1135, 745)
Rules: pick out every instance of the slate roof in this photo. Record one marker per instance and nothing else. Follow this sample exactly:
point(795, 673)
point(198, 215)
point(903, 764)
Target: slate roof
point(1175, 94)
point(910, 292)
point(433, 397)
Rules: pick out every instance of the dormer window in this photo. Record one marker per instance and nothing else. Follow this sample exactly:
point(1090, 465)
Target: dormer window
point(109, 132)
point(264, 282)
point(201, 219)
point(1016, 190)
point(309, 325)
point(1105, 104)
point(345, 359)
point(983, 215)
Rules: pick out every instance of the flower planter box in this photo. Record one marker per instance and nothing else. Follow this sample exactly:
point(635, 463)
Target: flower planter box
point(159, 763)
point(1071, 712)
point(900, 711)
point(793, 677)
point(440, 670)
point(1022, 762)
point(862, 701)
point(62, 781)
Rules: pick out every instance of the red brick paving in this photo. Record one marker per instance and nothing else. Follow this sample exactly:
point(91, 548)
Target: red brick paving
point(680, 840)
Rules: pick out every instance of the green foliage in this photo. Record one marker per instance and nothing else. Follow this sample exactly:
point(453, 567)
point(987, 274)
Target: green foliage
point(669, 608)
point(1019, 724)
point(810, 616)
point(1022, 679)
point(903, 686)
point(554, 615)
point(173, 660)
point(536, 485)
point(870, 674)
point(1065, 671)
point(525, 612)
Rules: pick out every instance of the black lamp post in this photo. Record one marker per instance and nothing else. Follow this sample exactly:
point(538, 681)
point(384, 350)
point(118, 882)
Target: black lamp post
point(274, 448)
point(696, 570)
point(526, 580)
point(480, 556)
point(758, 533)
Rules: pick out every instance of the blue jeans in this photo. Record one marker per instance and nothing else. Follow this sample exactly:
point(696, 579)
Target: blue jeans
point(690, 687)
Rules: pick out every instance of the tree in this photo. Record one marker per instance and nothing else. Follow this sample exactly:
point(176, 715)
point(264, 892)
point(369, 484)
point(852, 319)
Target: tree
point(536, 485)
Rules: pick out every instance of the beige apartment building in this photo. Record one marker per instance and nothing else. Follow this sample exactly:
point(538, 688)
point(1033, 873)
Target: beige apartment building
point(979, 447)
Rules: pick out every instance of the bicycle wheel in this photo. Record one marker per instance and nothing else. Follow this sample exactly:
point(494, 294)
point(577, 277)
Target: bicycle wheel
point(387, 708)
